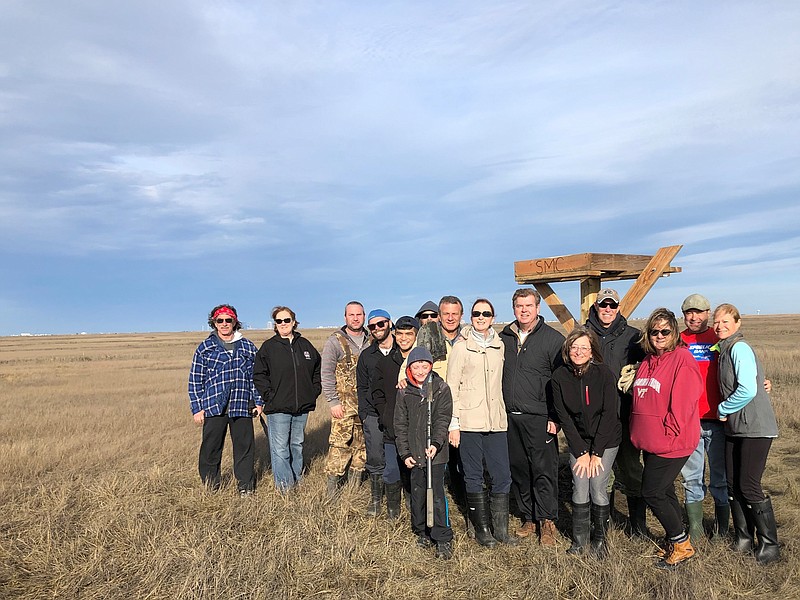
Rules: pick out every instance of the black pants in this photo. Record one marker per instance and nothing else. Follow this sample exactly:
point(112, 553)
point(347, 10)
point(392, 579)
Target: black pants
point(214, 429)
point(658, 490)
point(533, 454)
point(745, 461)
point(441, 531)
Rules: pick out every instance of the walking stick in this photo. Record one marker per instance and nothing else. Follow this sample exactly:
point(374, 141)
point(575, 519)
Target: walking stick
point(429, 498)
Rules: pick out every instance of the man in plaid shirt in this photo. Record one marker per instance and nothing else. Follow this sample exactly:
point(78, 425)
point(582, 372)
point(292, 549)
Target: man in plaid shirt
point(222, 395)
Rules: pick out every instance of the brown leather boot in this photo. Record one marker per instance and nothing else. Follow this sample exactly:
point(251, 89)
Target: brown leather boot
point(547, 533)
point(681, 551)
point(526, 529)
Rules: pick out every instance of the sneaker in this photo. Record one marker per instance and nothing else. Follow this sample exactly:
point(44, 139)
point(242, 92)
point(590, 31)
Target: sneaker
point(444, 550)
point(423, 541)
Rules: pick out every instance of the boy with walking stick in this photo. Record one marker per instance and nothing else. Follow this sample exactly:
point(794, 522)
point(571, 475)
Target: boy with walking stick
point(422, 416)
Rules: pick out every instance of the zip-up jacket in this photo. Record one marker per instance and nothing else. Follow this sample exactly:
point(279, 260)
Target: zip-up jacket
point(664, 416)
point(475, 377)
point(741, 385)
point(384, 391)
point(221, 382)
point(587, 409)
point(529, 367)
point(365, 369)
point(287, 375)
point(411, 420)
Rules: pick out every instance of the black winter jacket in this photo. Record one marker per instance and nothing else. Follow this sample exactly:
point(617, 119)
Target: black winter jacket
point(528, 368)
point(365, 369)
point(384, 391)
point(587, 409)
point(411, 421)
point(288, 375)
point(619, 343)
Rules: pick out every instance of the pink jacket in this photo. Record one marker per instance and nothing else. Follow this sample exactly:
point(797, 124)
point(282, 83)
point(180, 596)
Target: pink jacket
point(664, 417)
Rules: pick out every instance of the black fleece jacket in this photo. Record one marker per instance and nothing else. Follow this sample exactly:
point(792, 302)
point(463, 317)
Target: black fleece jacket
point(288, 375)
point(587, 409)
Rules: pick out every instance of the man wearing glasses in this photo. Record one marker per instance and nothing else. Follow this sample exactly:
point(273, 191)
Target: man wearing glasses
point(619, 346)
point(379, 324)
point(532, 352)
point(339, 363)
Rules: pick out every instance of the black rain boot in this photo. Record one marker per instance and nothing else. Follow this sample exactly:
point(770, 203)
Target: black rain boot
point(393, 491)
point(581, 525)
point(743, 528)
point(479, 515)
point(722, 518)
point(376, 496)
point(499, 509)
point(637, 515)
point(768, 549)
point(600, 520)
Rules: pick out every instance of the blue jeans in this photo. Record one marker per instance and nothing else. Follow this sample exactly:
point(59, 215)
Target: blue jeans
point(712, 443)
point(491, 448)
point(286, 435)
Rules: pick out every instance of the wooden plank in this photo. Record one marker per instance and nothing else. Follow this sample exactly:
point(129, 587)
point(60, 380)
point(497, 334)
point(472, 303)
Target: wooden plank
point(553, 265)
point(556, 305)
point(558, 278)
point(589, 289)
point(657, 266)
point(607, 276)
point(575, 266)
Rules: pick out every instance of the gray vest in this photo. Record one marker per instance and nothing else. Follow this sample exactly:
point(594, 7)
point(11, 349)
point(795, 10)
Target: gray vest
point(756, 418)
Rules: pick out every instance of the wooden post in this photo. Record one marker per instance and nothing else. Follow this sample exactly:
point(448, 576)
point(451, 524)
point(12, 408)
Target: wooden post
point(556, 305)
point(589, 288)
point(647, 279)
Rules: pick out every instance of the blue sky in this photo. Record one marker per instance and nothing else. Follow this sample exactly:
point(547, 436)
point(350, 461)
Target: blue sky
point(163, 157)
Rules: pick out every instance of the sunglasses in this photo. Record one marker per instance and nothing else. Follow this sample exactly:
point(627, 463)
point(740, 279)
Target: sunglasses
point(282, 321)
point(228, 320)
point(378, 325)
point(662, 332)
point(485, 313)
point(608, 304)
point(429, 315)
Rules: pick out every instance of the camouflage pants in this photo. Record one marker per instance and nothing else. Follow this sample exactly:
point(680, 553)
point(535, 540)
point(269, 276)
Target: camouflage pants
point(346, 445)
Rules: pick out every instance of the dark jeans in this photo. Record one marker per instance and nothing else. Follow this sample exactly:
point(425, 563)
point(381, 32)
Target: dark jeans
point(242, 437)
point(373, 441)
point(441, 531)
point(492, 447)
point(745, 461)
point(534, 466)
point(658, 490)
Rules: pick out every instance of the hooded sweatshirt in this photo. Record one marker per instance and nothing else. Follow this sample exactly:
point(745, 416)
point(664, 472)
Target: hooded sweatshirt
point(664, 416)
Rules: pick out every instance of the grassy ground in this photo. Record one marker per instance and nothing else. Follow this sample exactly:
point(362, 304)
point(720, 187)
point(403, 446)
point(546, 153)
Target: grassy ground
point(101, 499)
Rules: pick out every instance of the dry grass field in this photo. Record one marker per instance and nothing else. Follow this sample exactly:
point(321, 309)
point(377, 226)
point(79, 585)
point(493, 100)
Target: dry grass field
point(101, 499)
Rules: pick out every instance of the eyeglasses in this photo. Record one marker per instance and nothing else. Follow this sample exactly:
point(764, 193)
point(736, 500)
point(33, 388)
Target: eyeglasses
point(485, 313)
point(220, 321)
point(608, 304)
point(378, 325)
point(287, 320)
point(580, 349)
point(431, 315)
point(661, 332)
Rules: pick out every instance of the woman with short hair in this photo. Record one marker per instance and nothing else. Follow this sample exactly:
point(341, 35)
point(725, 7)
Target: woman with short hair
point(585, 399)
point(750, 427)
point(665, 425)
point(287, 375)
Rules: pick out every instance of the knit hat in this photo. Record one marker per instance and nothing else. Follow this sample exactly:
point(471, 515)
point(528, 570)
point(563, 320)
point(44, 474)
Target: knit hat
point(407, 323)
point(378, 312)
point(429, 306)
point(419, 353)
point(695, 302)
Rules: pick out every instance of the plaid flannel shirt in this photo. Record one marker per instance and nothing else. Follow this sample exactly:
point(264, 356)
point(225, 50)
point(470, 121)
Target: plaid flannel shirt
point(220, 379)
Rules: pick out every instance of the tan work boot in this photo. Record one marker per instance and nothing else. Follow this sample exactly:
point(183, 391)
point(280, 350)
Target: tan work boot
point(527, 528)
point(681, 551)
point(547, 533)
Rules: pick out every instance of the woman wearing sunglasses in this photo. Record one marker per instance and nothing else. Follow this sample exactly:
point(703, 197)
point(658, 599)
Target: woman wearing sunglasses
point(287, 375)
point(222, 396)
point(479, 424)
point(665, 426)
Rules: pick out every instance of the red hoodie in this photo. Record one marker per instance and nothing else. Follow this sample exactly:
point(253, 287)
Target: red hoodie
point(664, 417)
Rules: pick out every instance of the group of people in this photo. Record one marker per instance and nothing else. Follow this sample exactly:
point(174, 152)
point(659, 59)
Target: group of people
point(426, 398)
